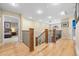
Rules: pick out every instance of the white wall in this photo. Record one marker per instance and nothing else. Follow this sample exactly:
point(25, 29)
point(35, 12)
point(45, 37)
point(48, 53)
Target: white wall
point(0, 27)
point(77, 38)
point(0, 24)
point(57, 24)
point(38, 26)
point(26, 24)
point(67, 31)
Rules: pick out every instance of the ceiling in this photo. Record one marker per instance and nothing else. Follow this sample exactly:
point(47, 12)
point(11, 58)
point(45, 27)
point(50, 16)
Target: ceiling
point(43, 12)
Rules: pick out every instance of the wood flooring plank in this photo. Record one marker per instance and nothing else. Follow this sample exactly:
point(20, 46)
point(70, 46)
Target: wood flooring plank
point(63, 47)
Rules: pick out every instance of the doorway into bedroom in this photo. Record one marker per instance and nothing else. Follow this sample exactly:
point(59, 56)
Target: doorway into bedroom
point(11, 29)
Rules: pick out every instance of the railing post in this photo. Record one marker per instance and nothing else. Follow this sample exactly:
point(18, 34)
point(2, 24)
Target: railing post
point(36, 41)
point(46, 35)
point(54, 36)
point(31, 37)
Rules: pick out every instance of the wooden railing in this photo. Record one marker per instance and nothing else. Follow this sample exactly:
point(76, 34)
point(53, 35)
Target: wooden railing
point(54, 35)
point(43, 37)
point(28, 38)
point(38, 39)
point(41, 34)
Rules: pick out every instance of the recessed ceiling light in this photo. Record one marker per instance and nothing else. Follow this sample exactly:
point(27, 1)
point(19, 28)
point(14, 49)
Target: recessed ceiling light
point(39, 11)
point(62, 13)
point(55, 4)
point(40, 20)
point(30, 17)
point(13, 4)
point(49, 17)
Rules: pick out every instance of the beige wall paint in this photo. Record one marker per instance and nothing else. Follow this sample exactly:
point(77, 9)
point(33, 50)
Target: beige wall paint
point(77, 36)
point(70, 26)
point(9, 13)
point(26, 24)
point(0, 25)
point(38, 26)
point(0, 28)
point(77, 39)
point(67, 31)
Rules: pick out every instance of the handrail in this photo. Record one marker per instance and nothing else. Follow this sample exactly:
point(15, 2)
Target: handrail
point(26, 30)
point(40, 34)
point(77, 19)
point(42, 38)
point(39, 37)
point(50, 30)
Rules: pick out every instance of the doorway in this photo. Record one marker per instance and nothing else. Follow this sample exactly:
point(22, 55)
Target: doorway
point(10, 29)
point(0, 30)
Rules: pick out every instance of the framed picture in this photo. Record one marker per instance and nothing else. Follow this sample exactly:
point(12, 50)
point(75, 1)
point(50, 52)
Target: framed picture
point(7, 25)
point(65, 24)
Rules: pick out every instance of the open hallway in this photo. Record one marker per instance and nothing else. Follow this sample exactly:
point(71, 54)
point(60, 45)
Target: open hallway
point(39, 29)
point(63, 47)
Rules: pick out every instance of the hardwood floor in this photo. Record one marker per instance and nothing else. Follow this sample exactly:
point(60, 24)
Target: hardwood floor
point(63, 47)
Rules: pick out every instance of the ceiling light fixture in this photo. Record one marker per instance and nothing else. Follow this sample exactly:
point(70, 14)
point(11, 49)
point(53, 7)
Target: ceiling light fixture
point(13, 4)
point(30, 17)
point(55, 4)
point(62, 13)
point(40, 20)
point(39, 11)
point(49, 17)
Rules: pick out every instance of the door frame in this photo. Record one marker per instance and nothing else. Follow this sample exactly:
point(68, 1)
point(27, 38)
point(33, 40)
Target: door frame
point(3, 27)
